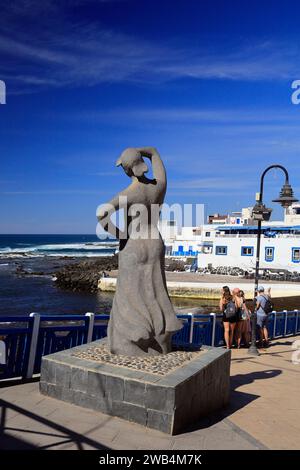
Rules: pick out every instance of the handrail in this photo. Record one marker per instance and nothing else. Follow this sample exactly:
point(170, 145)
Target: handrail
point(25, 345)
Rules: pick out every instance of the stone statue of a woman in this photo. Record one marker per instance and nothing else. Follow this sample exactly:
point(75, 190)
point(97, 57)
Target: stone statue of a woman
point(142, 319)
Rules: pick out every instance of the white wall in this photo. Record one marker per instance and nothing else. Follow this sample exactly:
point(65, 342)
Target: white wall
point(282, 253)
point(168, 232)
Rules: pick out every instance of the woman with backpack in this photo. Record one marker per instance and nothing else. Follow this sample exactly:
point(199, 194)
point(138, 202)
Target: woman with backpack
point(229, 309)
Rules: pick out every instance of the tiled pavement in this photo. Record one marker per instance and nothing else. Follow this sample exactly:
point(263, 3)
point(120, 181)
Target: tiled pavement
point(264, 413)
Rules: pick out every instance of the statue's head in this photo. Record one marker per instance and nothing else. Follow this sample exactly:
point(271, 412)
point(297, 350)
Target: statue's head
point(132, 163)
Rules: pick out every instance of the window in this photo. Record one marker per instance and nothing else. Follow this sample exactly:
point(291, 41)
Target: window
point(207, 234)
point(221, 250)
point(296, 255)
point(247, 251)
point(269, 253)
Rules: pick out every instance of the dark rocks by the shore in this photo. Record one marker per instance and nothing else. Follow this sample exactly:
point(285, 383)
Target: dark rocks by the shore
point(84, 276)
point(174, 265)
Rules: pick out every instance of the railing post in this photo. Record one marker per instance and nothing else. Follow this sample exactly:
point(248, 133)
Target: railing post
point(285, 322)
point(33, 344)
point(296, 322)
point(213, 334)
point(91, 317)
point(192, 328)
point(274, 326)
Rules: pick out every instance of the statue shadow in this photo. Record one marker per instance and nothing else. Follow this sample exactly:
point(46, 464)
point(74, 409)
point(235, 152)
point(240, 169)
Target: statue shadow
point(238, 399)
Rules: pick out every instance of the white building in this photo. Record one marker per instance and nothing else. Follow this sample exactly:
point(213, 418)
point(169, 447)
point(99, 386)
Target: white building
point(236, 247)
point(234, 244)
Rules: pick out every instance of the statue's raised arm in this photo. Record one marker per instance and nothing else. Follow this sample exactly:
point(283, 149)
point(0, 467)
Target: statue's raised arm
point(158, 168)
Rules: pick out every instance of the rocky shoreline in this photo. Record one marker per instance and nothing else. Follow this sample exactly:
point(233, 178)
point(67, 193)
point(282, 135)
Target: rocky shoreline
point(70, 273)
point(84, 276)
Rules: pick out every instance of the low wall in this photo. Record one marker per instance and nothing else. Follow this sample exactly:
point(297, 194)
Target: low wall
point(205, 290)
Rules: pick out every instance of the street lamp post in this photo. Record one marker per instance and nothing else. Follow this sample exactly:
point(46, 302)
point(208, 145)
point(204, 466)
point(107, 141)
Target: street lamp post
point(262, 213)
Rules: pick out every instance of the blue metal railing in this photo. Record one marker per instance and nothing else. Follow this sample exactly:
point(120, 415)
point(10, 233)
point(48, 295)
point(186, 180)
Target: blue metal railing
point(182, 338)
point(16, 332)
point(202, 332)
point(25, 340)
point(55, 335)
point(100, 327)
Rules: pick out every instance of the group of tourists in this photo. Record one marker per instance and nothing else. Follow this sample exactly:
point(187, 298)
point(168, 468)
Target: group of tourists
point(237, 315)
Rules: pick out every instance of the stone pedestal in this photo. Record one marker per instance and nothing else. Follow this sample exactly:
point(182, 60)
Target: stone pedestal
point(168, 402)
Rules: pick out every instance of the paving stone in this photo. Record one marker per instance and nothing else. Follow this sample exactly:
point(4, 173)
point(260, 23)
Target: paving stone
point(97, 403)
point(160, 398)
point(137, 414)
point(48, 370)
point(161, 421)
point(79, 379)
point(96, 385)
point(63, 375)
point(135, 392)
point(115, 388)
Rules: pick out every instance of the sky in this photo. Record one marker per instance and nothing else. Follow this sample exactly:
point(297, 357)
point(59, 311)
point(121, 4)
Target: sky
point(208, 83)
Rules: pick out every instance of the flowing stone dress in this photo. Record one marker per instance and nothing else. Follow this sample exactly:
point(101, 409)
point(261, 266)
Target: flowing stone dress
point(142, 319)
point(142, 322)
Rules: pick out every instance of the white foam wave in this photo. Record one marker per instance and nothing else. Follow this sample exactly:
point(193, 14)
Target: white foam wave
point(61, 247)
point(67, 249)
point(6, 249)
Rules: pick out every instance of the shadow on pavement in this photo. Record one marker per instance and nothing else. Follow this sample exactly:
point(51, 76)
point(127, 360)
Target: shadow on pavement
point(62, 434)
point(238, 399)
point(17, 381)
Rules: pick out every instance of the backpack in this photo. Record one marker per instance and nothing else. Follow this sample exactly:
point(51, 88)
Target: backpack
point(230, 310)
point(269, 307)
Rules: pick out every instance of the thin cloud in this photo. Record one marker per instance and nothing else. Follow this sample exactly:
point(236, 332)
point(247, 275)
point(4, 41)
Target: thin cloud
point(209, 116)
point(206, 193)
point(106, 173)
point(62, 53)
point(202, 184)
point(52, 192)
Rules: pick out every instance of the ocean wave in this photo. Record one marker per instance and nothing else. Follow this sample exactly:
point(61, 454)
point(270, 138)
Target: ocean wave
point(67, 249)
point(60, 247)
point(6, 249)
point(98, 254)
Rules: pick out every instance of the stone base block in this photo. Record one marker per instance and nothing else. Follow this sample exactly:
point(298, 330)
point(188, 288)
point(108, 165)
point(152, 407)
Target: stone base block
point(168, 403)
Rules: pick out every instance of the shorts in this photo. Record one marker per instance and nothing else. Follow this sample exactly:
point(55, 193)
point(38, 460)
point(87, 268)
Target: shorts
point(230, 320)
point(262, 321)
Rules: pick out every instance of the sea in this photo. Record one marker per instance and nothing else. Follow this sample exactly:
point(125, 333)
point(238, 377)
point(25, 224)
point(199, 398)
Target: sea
point(40, 256)
point(22, 294)
point(55, 245)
